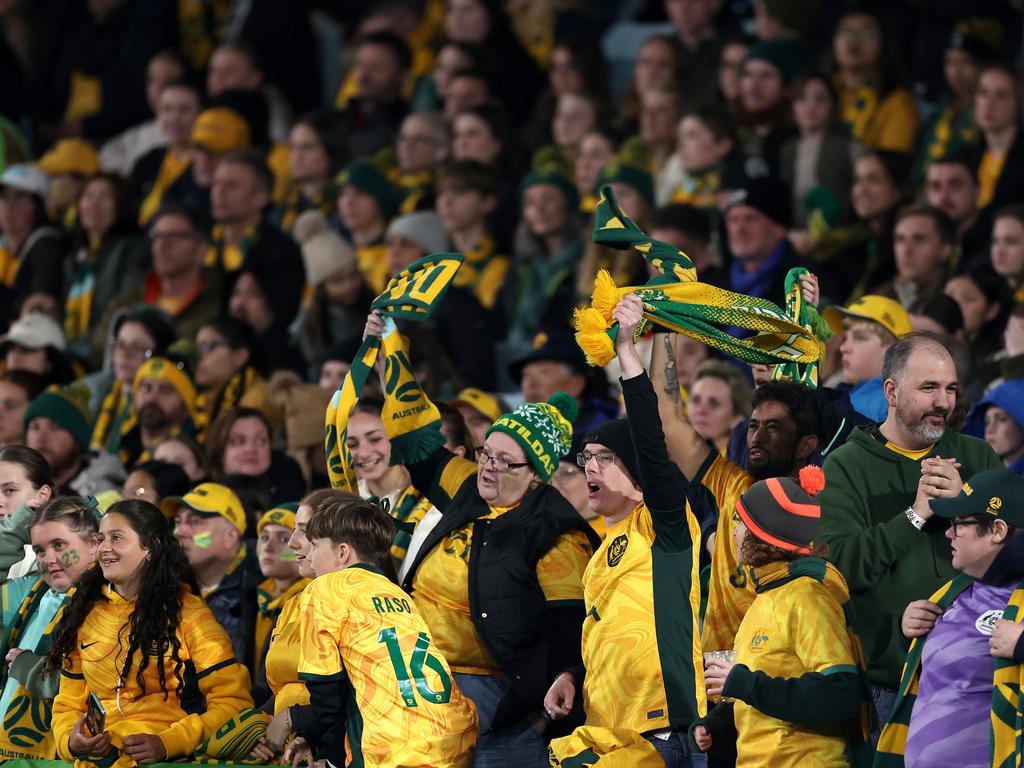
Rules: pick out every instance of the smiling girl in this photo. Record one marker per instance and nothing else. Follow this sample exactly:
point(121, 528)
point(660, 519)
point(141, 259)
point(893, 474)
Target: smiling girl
point(26, 483)
point(64, 542)
point(137, 634)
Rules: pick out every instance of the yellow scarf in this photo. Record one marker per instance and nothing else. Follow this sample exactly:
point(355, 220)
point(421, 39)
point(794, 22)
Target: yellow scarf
point(171, 169)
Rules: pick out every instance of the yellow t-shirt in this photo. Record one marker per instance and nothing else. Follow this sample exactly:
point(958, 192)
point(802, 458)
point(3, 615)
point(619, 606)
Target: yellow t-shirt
point(641, 640)
point(796, 628)
point(912, 455)
point(441, 583)
point(730, 592)
point(95, 667)
point(363, 631)
point(989, 171)
point(283, 658)
point(268, 611)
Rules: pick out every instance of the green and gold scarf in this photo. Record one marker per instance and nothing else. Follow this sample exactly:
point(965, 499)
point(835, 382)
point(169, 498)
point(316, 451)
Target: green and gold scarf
point(114, 410)
point(25, 731)
point(674, 299)
point(802, 313)
point(412, 294)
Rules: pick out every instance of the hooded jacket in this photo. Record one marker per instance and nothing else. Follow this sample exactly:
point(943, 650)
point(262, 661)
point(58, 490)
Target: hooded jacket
point(886, 561)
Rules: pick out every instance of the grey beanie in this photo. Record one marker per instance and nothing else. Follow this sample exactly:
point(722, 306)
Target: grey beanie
point(422, 227)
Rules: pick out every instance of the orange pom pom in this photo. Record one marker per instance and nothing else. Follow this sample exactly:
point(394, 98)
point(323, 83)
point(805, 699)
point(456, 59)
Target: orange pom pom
point(812, 480)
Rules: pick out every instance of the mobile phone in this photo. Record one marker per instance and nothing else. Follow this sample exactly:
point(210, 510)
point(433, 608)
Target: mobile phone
point(95, 715)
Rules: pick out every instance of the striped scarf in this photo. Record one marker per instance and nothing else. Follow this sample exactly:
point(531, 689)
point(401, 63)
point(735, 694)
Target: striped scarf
point(807, 316)
point(229, 258)
point(1007, 708)
point(78, 304)
point(114, 410)
point(675, 300)
point(25, 731)
point(409, 509)
point(227, 399)
point(295, 203)
point(201, 26)
point(412, 294)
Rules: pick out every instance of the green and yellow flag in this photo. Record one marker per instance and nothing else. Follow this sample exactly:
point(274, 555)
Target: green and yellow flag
point(412, 294)
point(806, 315)
point(675, 300)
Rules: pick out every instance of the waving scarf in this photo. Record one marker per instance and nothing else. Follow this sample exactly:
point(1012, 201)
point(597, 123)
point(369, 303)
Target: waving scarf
point(675, 300)
point(1007, 707)
point(806, 315)
point(412, 294)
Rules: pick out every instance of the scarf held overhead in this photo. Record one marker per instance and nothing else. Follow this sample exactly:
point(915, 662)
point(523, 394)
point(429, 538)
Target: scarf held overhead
point(412, 294)
point(674, 299)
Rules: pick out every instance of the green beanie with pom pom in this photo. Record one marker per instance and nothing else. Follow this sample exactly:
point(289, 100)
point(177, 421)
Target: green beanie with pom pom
point(544, 430)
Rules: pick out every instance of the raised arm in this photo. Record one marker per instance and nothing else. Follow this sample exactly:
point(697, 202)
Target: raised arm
point(664, 486)
point(688, 449)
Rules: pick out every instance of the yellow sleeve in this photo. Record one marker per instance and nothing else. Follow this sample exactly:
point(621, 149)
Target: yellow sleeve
point(895, 125)
point(223, 681)
point(818, 629)
point(69, 705)
point(322, 616)
point(727, 482)
point(456, 472)
point(560, 571)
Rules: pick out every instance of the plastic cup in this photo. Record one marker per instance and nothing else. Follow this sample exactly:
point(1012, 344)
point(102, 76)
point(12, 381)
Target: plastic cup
point(729, 656)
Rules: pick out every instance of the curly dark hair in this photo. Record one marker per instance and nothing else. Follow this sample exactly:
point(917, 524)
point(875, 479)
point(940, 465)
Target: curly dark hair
point(155, 620)
point(757, 552)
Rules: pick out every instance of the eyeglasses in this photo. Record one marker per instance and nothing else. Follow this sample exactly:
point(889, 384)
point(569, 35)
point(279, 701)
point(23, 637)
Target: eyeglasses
point(567, 470)
point(500, 464)
point(133, 350)
point(206, 347)
point(604, 458)
point(956, 524)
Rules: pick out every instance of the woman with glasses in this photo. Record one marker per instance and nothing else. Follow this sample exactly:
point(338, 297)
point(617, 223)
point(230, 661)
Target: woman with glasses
point(960, 689)
point(499, 578)
point(138, 334)
point(226, 374)
point(875, 107)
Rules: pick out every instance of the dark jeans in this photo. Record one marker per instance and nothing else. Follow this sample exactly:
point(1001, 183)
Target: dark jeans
point(514, 746)
point(883, 699)
point(677, 752)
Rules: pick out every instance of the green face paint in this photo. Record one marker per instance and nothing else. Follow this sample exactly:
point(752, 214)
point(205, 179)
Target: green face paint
point(289, 556)
point(203, 540)
point(70, 558)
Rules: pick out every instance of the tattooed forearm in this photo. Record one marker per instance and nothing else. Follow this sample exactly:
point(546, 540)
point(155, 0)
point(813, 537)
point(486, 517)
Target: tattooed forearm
point(671, 385)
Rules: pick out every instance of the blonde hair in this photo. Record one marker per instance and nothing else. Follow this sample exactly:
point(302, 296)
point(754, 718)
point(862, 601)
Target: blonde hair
point(740, 391)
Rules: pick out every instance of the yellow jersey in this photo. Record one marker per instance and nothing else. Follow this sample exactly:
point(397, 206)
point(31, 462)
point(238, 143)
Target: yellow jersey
point(282, 661)
point(441, 582)
point(641, 646)
point(268, 612)
point(362, 632)
point(796, 628)
point(216, 685)
point(730, 592)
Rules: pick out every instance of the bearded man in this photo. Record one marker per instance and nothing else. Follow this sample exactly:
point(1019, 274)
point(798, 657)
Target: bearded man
point(875, 513)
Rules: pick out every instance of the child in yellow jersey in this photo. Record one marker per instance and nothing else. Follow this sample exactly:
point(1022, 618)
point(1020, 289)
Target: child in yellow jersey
point(366, 657)
point(642, 669)
point(137, 636)
point(798, 688)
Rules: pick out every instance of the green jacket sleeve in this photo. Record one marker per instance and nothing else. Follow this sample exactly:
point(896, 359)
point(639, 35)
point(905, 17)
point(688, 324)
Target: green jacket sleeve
point(864, 551)
point(27, 669)
point(813, 698)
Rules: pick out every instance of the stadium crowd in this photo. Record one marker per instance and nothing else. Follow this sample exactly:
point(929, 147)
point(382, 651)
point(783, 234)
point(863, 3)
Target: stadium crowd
point(512, 383)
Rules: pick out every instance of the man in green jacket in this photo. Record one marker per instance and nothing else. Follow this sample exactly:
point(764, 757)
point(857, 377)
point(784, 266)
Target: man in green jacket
point(875, 514)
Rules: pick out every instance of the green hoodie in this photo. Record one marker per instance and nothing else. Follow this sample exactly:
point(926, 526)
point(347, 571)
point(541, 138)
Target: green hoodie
point(887, 562)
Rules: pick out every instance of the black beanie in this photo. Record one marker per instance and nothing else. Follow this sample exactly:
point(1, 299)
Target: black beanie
point(617, 438)
point(780, 512)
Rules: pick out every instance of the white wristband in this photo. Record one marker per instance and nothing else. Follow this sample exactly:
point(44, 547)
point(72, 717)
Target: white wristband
point(915, 519)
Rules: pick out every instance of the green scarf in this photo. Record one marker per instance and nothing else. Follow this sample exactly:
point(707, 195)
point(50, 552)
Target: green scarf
point(25, 731)
point(412, 294)
point(807, 316)
point(676, 301)
point(538, 279)
point(1007, 679)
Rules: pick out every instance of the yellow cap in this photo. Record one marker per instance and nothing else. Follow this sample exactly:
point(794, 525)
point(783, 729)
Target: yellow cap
point(220, 130)
point(878, 309)
point(282, 514)
point(480, 400)
point(209, 499)
point(70, 157)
